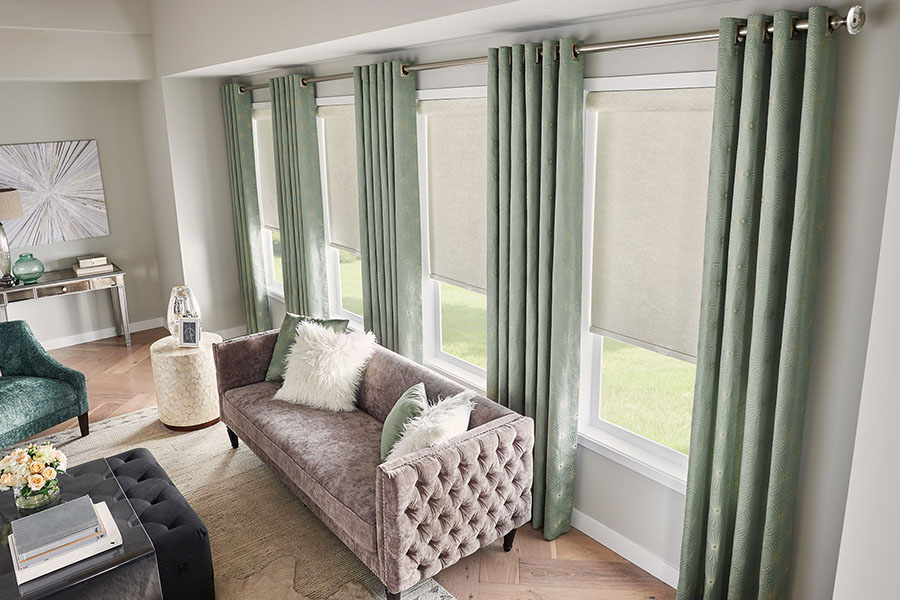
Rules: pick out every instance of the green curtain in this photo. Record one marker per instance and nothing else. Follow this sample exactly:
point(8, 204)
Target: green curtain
point(245, 205)
point(765, 218)
point(534, 199)
point(389, 221)
point(301, 216)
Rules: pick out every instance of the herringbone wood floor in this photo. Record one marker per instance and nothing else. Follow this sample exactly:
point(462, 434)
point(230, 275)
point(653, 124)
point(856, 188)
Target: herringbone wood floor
point(572, 567)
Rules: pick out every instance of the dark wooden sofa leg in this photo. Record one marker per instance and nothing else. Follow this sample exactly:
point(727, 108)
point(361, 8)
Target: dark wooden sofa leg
point(391, 595)
point(233, 437)
point(83, 424)
point(508, 540)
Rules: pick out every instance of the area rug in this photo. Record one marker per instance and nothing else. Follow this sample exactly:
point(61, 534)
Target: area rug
point(265, 543)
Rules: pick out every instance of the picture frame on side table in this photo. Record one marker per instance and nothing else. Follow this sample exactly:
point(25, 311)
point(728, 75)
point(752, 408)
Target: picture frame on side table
point(189, 332)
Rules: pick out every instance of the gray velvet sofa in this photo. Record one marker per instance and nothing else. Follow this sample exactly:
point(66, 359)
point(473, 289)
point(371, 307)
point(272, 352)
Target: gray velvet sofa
point(407, 518)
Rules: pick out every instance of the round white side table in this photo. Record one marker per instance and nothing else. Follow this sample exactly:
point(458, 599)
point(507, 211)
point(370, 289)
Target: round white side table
point(185, 378)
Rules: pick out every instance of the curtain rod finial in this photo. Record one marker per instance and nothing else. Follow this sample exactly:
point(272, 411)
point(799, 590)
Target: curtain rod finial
point(856, 18)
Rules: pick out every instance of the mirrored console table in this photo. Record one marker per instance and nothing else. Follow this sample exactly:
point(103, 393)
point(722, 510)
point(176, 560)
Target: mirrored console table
point(65, 281)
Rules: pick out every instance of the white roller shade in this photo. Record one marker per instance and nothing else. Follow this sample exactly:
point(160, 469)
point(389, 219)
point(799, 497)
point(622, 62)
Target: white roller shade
point(265, 167)
point(649, 216)
point(456, 136)
point(341, 189)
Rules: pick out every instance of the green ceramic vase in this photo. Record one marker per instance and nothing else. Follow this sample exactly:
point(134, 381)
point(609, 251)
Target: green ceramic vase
point(28, 269)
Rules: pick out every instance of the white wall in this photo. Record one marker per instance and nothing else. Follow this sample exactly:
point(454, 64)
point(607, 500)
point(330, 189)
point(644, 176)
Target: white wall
point(199, 33)
point(109, 113)
point(70, 41)
point(868, 556)
point(202, 193)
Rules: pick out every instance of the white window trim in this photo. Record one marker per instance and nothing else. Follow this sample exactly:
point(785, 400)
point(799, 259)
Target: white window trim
point(455, 368)
point(332, 256)
point(274, 288)
point(660, 463)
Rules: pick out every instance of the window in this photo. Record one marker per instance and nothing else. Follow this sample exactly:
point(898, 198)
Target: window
point(463, 324)
point(453, 190)
point(264, 154)
point(646, 168)
point(337, 158)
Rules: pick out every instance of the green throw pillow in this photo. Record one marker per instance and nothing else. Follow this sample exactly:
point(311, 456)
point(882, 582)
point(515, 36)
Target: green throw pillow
point(408, 407)
point(286, 339)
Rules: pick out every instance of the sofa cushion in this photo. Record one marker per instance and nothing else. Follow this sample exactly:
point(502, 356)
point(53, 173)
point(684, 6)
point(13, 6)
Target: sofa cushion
point(331, 456)
point(286, 339)
point(409, 406)
point(30, 399)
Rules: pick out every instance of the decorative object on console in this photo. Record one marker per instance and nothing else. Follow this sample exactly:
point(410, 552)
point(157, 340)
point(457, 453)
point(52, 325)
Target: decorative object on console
point(31, 472)
point(93, 264)
point(189, 332)
point(61, 191)
point(91, 260)
point(182, 303)
point(437, 424)
point(286, 340)
point(10, 208)
point(185, 379)
point(323, 368)
point(28, 269)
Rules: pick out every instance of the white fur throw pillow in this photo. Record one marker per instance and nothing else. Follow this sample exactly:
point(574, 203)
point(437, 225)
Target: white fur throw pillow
point(436, 425)
point(324, 368)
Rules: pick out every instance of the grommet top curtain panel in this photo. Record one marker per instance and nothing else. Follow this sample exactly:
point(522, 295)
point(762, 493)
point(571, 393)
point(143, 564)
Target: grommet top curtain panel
point(534, 205)
point(301, 215)
point(238, 115)
point(389, 213)
point(764, 226)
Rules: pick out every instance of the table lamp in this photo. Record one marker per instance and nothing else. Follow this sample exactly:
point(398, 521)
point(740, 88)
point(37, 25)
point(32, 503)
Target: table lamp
point(10, 208)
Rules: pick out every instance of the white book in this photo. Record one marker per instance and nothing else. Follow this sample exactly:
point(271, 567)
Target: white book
point(112, 539)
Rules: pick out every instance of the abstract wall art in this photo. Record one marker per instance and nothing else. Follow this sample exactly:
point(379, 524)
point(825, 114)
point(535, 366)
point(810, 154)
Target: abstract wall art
point(61, 190)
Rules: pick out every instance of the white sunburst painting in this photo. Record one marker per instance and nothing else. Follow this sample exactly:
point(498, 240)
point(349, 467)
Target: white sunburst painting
point(61, 190)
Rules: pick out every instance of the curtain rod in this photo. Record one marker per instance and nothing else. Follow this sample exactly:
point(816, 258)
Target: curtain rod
point(854, 21)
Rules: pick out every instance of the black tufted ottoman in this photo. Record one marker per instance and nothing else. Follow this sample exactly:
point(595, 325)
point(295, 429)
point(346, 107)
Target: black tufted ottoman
point(178, 535)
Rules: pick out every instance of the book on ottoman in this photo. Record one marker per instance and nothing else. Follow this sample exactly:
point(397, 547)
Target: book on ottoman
point(44, 548)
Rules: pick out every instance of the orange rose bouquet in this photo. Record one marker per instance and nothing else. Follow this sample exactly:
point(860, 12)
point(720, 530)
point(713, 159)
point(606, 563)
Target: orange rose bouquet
point(32, 474)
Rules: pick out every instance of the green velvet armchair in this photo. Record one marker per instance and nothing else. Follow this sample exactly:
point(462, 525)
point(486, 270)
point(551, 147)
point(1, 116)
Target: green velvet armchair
point(36, 391)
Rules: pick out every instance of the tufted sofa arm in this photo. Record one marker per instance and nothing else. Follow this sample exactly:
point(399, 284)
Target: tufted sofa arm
point(437, 505)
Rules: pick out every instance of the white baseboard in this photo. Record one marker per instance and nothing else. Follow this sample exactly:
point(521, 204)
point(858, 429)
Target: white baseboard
point(626, 548)
point(98, 334)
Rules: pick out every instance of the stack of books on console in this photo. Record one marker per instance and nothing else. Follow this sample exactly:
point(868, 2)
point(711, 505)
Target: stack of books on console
point(60, 536)
point(92, 264)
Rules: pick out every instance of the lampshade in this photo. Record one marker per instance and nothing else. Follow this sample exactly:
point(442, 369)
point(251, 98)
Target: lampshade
point(10, 204)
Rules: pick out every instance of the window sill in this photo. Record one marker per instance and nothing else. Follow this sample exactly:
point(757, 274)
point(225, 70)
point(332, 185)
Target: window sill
point(632, 456)
point(276, 293)
point(457, 374)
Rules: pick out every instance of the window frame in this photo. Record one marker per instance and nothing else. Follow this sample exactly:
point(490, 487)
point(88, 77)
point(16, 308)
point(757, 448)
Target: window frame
point(451, 366)
point(332, 255)
point(658, 462)
point(274, 288)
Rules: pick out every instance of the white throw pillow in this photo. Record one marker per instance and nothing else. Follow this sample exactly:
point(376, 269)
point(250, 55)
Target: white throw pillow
point(324, 368)
point(436, 425)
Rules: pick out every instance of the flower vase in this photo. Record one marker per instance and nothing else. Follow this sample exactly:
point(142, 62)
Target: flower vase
point(36, 502)
point(28, 269)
